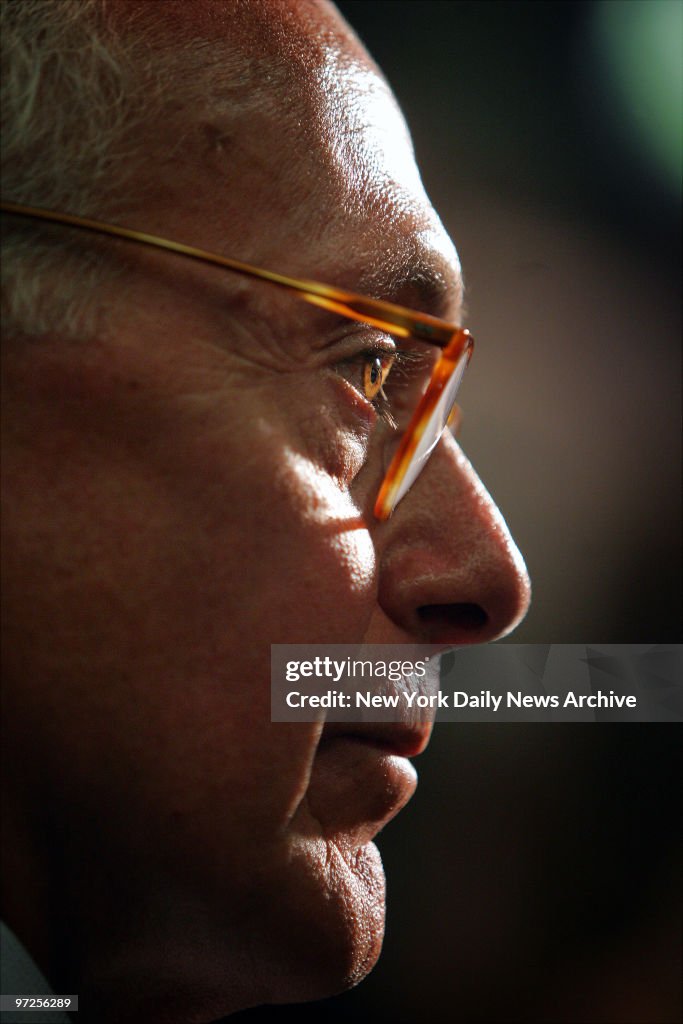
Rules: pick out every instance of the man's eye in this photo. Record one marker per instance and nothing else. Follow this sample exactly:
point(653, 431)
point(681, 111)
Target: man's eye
point(410, 371)
point(376, 369)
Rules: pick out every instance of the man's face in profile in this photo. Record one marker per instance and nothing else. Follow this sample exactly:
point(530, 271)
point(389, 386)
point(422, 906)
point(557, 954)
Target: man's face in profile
point(195, 483)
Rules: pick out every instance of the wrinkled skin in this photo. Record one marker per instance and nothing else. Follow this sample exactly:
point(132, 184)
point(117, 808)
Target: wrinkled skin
point(190, 486)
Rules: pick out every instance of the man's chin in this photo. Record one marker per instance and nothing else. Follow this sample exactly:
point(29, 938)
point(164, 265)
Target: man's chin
point(333, 917)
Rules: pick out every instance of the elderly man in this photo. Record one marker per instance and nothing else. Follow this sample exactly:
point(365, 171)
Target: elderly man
point(192, 459)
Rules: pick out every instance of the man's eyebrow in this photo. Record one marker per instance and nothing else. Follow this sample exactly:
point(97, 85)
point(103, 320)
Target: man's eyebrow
point(424, 283)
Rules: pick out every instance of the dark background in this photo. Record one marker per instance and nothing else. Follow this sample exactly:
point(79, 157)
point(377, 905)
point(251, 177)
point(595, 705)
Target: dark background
point(535, 875)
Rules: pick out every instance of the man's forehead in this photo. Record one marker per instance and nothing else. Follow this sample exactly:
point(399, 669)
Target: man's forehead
point(292, 62)
point(302, 135)
point(293, 31)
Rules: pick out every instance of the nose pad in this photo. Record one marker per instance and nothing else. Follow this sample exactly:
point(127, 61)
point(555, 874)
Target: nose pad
point(449, 570)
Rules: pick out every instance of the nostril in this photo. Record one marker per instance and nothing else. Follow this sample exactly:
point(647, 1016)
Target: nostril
point(466, 617)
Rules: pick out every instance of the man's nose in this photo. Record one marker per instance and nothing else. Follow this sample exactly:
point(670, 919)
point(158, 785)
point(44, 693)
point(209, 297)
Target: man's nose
point(449, 571)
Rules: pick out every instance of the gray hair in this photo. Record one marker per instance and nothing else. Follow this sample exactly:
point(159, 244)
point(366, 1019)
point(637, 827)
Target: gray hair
point(77, 100)
point(63, 111)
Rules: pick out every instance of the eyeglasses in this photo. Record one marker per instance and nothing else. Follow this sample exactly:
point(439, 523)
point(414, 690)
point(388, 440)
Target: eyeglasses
point(435, 406)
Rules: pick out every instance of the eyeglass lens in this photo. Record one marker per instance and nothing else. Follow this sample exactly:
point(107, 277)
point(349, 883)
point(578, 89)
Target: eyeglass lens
point(432, 429)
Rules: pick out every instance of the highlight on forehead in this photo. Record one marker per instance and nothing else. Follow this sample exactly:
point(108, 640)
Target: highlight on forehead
point(290, 37)
point(249, 57)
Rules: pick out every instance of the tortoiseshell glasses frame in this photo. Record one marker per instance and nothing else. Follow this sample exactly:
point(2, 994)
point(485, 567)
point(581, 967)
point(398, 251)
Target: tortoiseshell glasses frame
point(436, 404)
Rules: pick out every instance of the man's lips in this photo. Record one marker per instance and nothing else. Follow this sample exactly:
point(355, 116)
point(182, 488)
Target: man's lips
point(360, 780)
point(404, 737)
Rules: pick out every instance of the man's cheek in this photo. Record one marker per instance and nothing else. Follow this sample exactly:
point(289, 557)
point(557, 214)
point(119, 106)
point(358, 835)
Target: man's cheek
point(335, 430)
point(355, 554)
point(329, 516)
